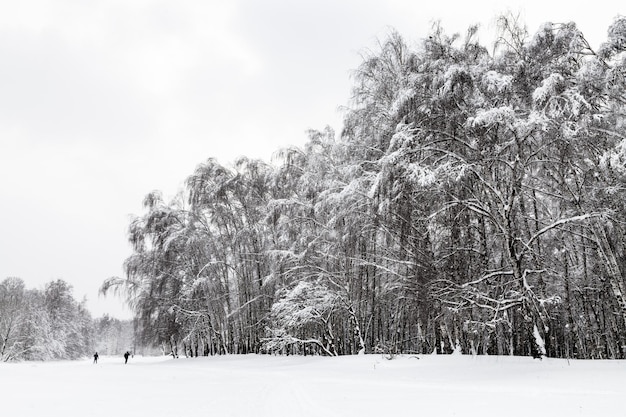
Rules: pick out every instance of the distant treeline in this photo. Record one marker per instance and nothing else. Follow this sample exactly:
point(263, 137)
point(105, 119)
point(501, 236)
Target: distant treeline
point(474, 201)
point(50, 324)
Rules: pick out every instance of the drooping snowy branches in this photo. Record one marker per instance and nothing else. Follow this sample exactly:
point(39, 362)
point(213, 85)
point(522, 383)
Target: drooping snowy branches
point(473, 202)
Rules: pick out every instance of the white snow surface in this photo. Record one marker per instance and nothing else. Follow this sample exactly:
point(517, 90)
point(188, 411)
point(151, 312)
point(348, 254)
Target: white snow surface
point(264, 385)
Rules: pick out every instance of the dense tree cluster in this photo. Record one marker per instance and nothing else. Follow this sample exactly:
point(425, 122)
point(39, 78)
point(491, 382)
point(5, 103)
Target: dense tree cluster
point(40, 325)
point(475, 201)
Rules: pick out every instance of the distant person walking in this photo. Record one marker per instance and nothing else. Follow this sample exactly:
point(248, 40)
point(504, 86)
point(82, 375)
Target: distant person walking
point(126, 355)
point(95, 357)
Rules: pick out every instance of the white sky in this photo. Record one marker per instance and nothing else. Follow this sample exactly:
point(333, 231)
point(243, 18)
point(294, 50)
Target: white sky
point(103, 101)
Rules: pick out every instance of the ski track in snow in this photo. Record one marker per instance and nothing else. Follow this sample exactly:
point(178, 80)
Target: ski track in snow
point(263, 385)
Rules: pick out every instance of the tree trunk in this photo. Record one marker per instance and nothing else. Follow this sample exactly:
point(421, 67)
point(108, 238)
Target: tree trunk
point(616, 280)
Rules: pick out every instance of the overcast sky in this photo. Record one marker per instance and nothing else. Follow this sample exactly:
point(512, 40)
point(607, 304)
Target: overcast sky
point(103, 101)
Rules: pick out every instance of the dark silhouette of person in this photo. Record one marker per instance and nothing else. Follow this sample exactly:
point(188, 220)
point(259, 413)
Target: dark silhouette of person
point(126, 355)
point(95, 357)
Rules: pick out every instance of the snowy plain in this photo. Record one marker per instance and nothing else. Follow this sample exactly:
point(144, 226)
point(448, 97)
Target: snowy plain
point(264, 385)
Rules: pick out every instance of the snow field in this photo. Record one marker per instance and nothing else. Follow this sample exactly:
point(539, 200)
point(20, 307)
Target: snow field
point(263, 385)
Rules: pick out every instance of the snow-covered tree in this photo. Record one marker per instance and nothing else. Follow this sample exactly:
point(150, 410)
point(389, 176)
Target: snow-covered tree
point(36, 325)
point(307, 308)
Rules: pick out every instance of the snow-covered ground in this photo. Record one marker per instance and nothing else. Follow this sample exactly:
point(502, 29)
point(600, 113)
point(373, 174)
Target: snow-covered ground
point(261, 385)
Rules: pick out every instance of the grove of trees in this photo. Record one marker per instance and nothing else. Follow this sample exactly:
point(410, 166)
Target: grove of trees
point(41, 325)
point(474, 202)
point(114, 337)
